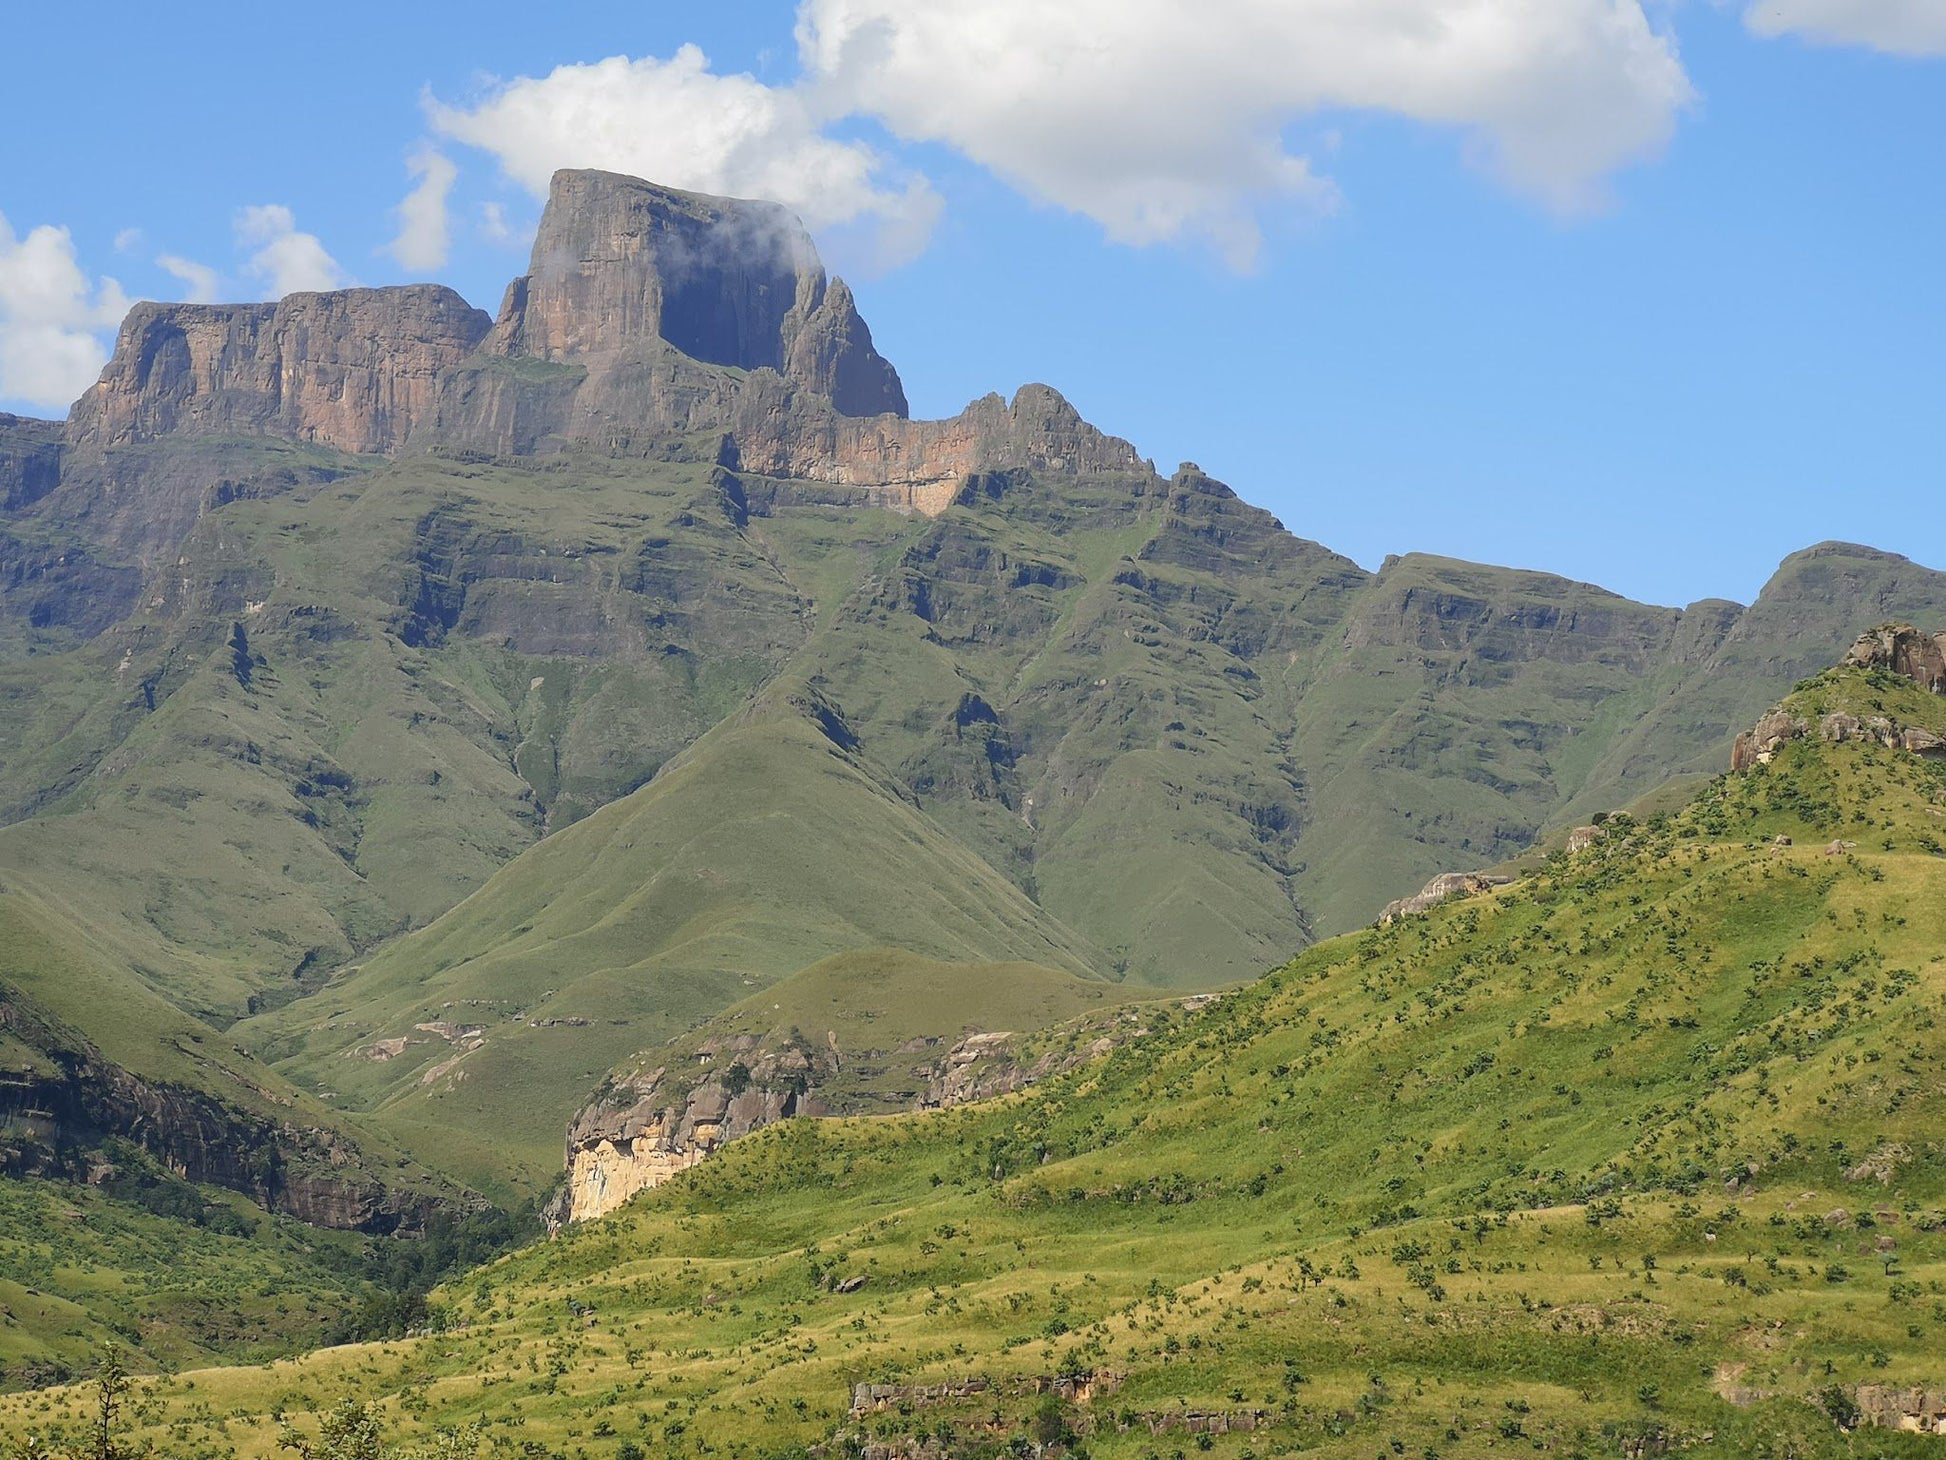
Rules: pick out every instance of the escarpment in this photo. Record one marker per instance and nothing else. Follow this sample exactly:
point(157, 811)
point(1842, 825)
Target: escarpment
point(30, 460)
point(353, 369)
point(647, 315)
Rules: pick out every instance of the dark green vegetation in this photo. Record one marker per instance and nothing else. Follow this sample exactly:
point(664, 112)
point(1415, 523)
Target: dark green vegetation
point(1643, 1149)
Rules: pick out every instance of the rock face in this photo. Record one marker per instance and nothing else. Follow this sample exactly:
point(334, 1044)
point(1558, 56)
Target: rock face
point(917, 465)
point(1902, 649)
point(1917, 1410)
point(1446, 885)
point(54, 1121)
point(619, 263)
point(30, 460)
point(651, 1128)
point(353, 369)
point(624, 271)
point(1757, 745)
point(649, 313)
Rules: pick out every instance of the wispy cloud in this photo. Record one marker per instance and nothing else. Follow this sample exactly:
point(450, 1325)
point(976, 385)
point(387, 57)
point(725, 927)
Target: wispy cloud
point(425, 232)
point(680, 123)
point(201, 283)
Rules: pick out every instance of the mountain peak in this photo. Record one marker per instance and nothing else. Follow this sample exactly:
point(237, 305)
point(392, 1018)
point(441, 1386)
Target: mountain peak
point(621, 266)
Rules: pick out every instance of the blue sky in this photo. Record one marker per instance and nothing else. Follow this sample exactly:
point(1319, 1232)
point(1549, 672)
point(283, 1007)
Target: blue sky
point(1646, 294)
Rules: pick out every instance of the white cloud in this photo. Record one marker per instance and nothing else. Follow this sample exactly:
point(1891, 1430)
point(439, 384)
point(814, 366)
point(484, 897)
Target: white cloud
point(287, 261)
point(52, 318)
point(425, 233)
point(493, 223)
point(1904, 27)
point(677, 122)
point(200, 282)
point(128, 240)
point(1161, 118)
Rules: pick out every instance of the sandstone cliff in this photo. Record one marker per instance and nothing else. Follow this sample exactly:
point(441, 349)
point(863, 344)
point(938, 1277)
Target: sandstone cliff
point(647, 1128)
point(649, 313)
point(353, 369)
point(650, 320)
point(1440, 889)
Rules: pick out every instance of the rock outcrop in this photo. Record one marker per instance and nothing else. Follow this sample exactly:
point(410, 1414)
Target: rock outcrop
point(353, 369)
point(648, 1128)
point(1446, 885)
point(1918, 1410)
point(921, 466)
point(645, 1130)
point(1897, 649)
point(1903, 650)
point(1757, 745)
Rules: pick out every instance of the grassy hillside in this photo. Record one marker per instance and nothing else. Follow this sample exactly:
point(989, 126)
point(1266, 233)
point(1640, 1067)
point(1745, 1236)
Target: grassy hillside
point(880, 1026)
point(79, 1268)
point(90, 1053)
point(1639, 1151)
point(769, 847)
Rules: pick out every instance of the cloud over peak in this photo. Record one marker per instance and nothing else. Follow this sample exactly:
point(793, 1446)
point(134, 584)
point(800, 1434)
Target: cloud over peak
point(1160, 119)
point(679, 123)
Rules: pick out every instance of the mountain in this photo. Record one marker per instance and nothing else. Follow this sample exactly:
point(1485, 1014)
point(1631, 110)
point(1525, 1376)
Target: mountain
point(362, 655)
point(1636, 1155)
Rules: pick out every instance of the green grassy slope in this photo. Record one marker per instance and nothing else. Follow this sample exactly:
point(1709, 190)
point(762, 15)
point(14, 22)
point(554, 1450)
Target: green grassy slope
point(90, 1054)
point(1640, 1150)
point(880, 1022)
point(79, 1268)
point(356, 697)
point(768, 847)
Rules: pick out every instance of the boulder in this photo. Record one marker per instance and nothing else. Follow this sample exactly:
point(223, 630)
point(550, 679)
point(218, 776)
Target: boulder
point(1902, 649)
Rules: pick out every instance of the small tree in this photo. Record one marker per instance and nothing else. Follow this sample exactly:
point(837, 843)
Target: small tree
point(111, 1382)
point(347, 1431)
